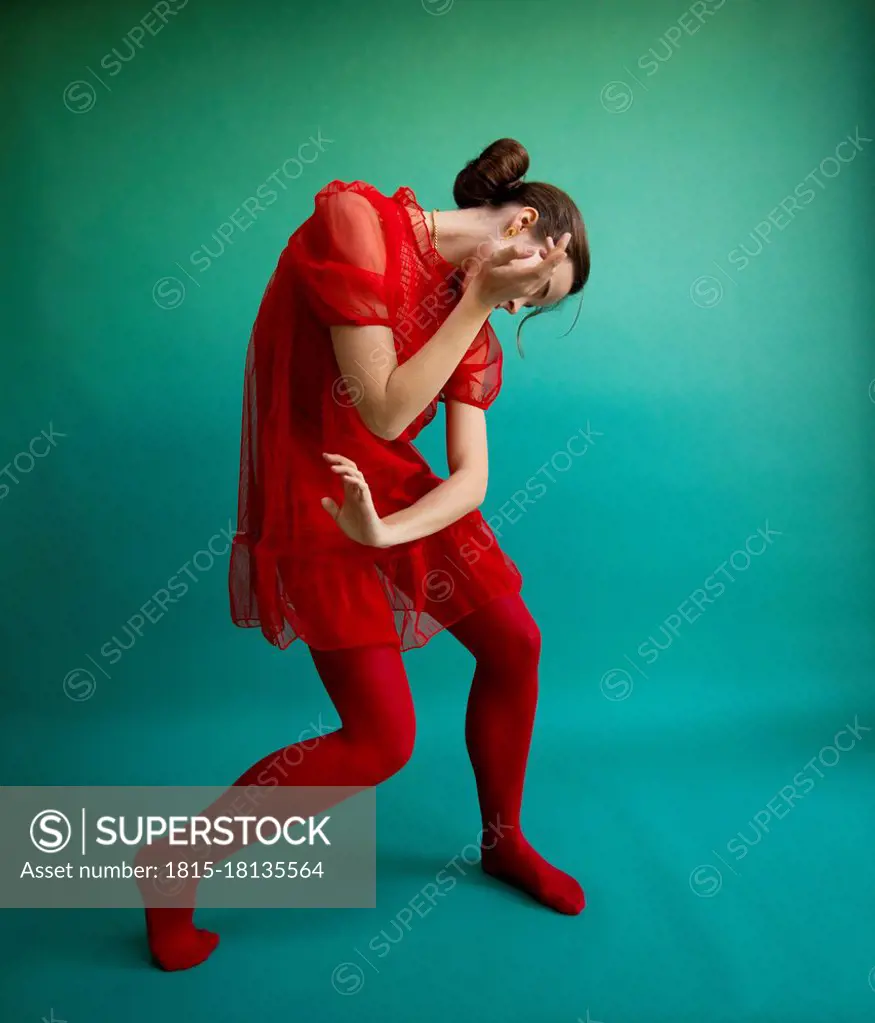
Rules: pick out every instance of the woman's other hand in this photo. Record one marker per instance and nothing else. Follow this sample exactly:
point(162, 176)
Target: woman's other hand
point(357, 517)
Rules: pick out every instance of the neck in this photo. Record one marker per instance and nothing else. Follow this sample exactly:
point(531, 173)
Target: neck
point(460, 233)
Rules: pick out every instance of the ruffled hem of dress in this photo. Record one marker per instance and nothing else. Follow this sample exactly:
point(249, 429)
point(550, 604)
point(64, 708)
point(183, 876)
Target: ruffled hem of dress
point(400, 597)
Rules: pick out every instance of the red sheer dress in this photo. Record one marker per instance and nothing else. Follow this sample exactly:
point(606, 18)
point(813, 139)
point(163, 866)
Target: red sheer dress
point(361, 258)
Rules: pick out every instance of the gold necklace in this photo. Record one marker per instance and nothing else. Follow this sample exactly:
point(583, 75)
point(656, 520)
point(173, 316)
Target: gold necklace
point(434, 230)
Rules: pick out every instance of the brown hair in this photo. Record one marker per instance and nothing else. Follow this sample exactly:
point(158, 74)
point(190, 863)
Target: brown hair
point(495, 178)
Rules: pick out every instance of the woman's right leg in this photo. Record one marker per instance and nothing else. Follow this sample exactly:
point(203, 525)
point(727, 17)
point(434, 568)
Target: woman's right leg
point(368, 687)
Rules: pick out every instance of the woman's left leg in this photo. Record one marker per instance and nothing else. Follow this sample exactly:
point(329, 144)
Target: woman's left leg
point(506, 643)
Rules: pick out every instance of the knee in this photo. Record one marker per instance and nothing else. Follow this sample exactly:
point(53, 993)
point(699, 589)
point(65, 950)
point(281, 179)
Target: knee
point(387, 756)
point(394, 754)
point(502, 633)
point(527, 639)
point(384, 754)
point(518, 641)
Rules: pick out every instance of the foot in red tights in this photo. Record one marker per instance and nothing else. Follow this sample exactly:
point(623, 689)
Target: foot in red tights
point(368, 687)
point(514, 861)
point(174, 941)
point(506, 644)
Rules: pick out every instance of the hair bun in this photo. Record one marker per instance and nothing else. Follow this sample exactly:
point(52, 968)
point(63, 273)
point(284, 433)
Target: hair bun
point(493, 176)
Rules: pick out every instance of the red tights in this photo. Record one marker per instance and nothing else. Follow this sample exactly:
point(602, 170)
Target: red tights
point(368, 687)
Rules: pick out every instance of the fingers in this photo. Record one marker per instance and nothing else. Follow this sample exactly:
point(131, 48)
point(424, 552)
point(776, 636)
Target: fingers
point(553, 255)
point(339, 460)
point(346, 469)
point(556, 250)
point(330, 507)
point(355, 479)
point(558, 253)
point(531, 278)
point(511, 252)
point(355, 486)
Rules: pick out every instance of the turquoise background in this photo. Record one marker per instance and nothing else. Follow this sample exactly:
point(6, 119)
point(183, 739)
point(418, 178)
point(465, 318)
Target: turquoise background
point(714, 418)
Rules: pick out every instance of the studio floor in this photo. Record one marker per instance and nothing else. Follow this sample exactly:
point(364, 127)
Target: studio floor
point(710, 898)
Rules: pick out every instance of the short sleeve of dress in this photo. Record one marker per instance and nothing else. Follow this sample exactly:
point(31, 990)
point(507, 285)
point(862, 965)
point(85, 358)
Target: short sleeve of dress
point(341, 255)
point(477, 378)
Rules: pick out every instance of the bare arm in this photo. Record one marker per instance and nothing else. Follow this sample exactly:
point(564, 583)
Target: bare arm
point(392, 395)
point(462, 492)
point(464, 489)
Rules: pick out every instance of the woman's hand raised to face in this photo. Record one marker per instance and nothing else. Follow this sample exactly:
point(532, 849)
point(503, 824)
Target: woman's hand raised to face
point(509, 272)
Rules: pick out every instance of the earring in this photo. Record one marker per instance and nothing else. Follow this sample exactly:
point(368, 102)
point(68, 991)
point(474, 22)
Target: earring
point(510, 232)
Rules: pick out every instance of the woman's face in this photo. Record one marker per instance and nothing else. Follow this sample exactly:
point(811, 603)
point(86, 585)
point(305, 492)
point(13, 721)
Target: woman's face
point(554, 290)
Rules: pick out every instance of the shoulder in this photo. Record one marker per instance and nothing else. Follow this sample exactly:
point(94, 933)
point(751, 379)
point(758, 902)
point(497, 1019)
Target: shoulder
point(350, 195)
point(354, 208)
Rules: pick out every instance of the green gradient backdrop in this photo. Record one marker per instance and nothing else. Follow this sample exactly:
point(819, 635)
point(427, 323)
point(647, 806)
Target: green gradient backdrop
point(725, 396)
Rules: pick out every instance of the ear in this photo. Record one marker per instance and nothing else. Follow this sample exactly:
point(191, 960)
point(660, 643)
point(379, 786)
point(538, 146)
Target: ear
point(527, 217)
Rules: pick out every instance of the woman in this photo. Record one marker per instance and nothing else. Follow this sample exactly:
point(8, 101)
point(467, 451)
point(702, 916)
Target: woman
point(377, 311)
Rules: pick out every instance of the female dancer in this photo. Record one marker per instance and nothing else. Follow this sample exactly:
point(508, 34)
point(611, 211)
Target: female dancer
point(346, 539)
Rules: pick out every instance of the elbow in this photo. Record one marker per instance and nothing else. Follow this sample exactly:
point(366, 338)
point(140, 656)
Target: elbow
point(472, 487)
point(478, 492)
point(380, 425)
point(386, 430)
